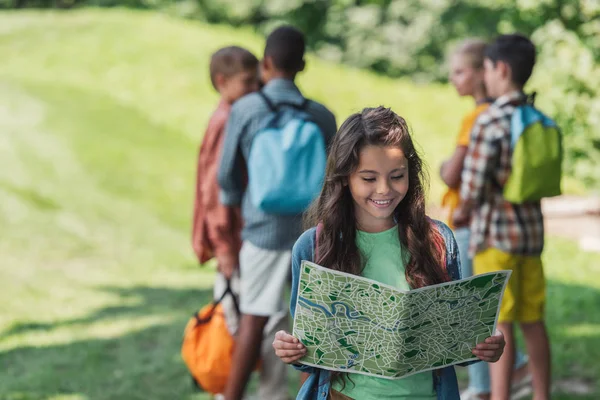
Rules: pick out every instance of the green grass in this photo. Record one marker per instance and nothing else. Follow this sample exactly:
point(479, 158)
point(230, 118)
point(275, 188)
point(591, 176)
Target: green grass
point(101, 114)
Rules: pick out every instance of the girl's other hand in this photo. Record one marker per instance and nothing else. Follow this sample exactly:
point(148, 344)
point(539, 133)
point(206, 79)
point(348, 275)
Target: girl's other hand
point(491, 349)
point(288, 348)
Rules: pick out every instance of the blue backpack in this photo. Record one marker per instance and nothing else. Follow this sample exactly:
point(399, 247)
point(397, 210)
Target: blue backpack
point(286, 163)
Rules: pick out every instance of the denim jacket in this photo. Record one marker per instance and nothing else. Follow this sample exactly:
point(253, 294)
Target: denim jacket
point(317, 385)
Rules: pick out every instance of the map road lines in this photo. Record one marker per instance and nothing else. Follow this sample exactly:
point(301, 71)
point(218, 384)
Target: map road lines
point(356, 325)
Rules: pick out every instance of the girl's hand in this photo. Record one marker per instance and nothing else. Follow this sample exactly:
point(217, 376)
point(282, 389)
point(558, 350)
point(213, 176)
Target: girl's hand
point(491, 350)
point(288, 348)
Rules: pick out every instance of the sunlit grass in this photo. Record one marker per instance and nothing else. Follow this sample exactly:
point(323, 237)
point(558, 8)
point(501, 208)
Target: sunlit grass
point(101, 114)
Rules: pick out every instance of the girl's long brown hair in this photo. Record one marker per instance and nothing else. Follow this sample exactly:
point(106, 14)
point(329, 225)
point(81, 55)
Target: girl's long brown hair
point(334, 208)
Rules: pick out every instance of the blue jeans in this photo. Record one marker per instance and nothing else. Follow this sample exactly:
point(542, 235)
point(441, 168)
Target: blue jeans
point(479, 373)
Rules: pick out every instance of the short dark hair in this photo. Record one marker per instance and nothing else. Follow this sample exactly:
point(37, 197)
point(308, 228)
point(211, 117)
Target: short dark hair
point(515, 50)
point(230, 61)
point(286, 45)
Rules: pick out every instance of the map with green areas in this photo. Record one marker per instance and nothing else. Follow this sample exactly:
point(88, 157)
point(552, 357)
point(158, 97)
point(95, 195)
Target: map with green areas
point(356, 325)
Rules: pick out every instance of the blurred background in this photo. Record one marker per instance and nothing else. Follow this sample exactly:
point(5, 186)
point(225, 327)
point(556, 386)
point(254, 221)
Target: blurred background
point(103, 104)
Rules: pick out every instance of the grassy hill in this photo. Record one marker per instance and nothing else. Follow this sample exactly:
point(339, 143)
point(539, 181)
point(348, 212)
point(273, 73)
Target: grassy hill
point(101, 115)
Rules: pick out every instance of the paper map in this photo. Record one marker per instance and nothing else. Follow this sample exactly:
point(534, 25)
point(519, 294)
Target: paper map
point(356, 325)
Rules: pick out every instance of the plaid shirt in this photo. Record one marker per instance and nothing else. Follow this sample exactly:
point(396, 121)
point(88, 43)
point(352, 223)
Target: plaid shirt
point(513, 228)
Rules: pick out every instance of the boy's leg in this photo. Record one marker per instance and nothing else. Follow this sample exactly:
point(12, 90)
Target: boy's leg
point(538, 348)
point(263, 277)
point(521, 376)
point(274, 373)
point(479, 376)
point(491, 260)
point(531, 317)
point(501, 371)
point(245, 354)
point(521, 368)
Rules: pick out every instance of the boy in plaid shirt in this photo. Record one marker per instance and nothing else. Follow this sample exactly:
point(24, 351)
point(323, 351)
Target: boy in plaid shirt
point(506, 236)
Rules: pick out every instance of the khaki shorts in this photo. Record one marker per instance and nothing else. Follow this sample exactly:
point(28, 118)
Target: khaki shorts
point(264, 275)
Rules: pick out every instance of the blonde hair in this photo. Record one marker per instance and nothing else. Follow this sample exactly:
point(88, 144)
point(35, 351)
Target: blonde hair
point(474, 50)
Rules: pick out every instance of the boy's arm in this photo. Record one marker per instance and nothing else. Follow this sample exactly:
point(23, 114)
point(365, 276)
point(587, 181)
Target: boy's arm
point(452, 168)
point(223, 228)
point(203, 253)
point(231, 166)
point(223, 223)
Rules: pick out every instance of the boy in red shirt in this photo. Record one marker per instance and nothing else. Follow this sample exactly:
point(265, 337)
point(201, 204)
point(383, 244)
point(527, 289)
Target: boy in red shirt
point(216, 229)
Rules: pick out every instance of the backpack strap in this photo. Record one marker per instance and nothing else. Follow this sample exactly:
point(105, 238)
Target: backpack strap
point(304, 104)
point(530, 98)
point(267, 101)
point(217, 302)
point(275, 107)
point(234, 298)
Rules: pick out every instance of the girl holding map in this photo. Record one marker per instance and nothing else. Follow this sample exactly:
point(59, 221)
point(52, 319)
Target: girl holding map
point(372, 223)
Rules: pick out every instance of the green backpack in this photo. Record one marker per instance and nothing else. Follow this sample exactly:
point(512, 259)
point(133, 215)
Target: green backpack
point(537, 152)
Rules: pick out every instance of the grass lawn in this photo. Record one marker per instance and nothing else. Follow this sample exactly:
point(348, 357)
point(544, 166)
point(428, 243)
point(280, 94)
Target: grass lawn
point(101, 114)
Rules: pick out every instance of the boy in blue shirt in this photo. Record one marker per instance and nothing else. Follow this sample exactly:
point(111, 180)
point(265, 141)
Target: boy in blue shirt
point(267, 239)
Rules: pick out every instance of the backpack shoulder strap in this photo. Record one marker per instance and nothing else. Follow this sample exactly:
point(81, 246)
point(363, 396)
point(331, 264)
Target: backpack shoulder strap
point(275, 107)
point(530, 98)
point(305, 103)
point(267, 101)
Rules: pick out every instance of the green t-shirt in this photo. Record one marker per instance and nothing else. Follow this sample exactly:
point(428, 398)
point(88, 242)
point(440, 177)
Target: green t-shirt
point(386, 264)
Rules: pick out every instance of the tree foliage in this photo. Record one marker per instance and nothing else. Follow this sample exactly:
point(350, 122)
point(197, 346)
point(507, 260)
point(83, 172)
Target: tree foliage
point(412, 38)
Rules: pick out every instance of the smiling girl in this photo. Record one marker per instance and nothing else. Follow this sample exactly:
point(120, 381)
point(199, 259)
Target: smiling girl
point(372, 214)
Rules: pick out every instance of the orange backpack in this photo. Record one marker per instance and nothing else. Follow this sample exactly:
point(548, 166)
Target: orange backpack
point(208, 346)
